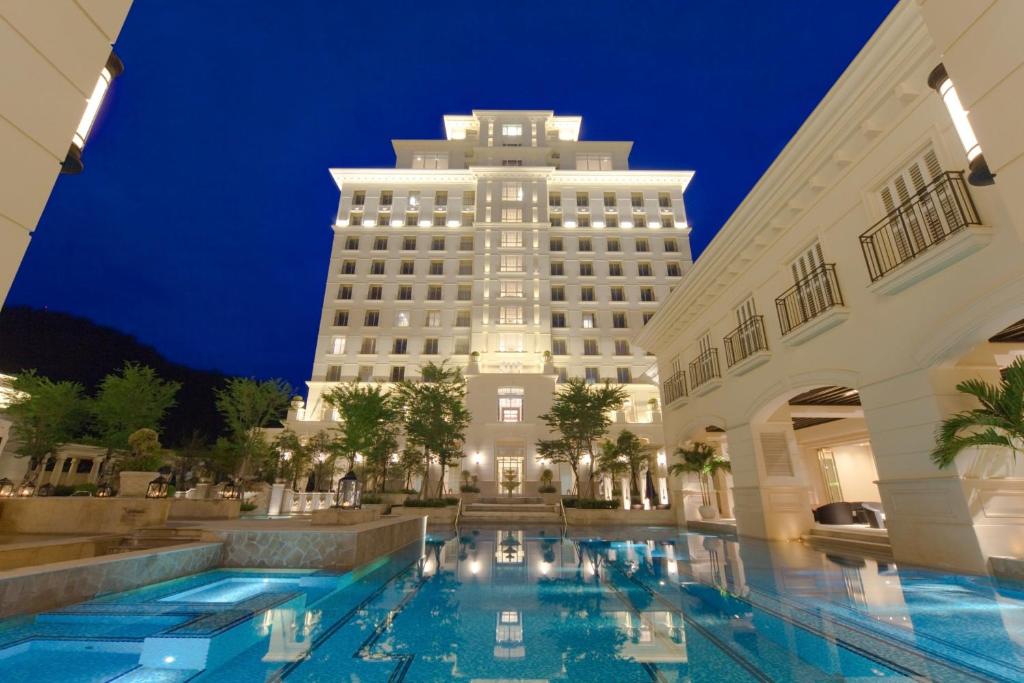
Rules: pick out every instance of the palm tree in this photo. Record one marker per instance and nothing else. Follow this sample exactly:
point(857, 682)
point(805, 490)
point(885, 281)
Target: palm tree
point(627, 454)
point(701, 459)
point(998, 422)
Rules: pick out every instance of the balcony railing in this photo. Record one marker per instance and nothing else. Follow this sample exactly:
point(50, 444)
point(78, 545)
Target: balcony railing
point(674, 387)
point(704, 368)
point(745, 340)
point(939, 210)
point(809, 298)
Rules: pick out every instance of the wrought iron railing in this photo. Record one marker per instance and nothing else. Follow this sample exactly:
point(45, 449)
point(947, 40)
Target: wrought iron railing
point(704, 368)
point(812, 296)
point(745, 340)
point(940, 209)
point(674, 388)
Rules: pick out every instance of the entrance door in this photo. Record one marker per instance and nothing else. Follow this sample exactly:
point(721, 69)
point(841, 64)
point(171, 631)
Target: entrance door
point(508, 463)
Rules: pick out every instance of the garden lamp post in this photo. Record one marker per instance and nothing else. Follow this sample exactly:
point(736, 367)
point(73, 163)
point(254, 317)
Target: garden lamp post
point(157, 488)
point(350, 492)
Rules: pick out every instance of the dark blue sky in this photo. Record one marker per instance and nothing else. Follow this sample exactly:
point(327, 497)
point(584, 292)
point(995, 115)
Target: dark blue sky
point(200, 224)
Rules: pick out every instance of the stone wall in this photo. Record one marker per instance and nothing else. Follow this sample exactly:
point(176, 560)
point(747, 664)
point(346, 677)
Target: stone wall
point(212, 508)
point(80, 515)
point(577, 517)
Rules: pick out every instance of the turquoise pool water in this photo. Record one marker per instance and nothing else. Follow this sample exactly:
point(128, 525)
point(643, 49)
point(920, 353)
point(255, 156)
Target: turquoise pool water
point(531, 605)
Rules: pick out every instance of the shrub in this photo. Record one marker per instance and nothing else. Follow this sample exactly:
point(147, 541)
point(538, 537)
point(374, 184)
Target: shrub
point(469, 488)
point(248, 507)
point(432, 503)
point(591, 504)
point(547, 489)
point(91, 488)
point(569, 502)
point(371, 499)
point(63, 490)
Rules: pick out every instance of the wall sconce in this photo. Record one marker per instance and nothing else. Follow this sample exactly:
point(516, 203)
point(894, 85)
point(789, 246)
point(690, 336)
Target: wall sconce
point(940, 81)
point(73, 162)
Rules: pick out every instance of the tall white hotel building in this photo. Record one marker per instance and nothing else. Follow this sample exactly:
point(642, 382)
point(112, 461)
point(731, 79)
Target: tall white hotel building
point(518, 252)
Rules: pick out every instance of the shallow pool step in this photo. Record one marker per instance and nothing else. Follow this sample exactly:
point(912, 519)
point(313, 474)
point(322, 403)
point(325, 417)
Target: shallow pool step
point(872, 543)
point(517, 509)
point(511, 512)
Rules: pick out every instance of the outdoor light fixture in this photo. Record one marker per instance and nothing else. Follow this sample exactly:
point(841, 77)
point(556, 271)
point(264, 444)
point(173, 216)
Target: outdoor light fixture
point(104, 490)
point(350, 491)
point(26, 489)
point(156, 489)
point(46, 490)
point(231, 490)
point(940, 81)
point(73, 162)
point(6, 488)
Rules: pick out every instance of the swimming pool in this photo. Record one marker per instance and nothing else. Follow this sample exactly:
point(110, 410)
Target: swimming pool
point(638, 604)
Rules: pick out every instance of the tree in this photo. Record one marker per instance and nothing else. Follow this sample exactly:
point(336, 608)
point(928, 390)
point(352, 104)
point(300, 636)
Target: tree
point(324, 450)
point(370, 423)
point(998, 422)
point(701, 459)
point(409, 465)
point(292, 457)
point(248, 406)
point(144, 447)
point(131, 399)
point(46, 415)
point(580, 415)
point(435, 418)
point(627, 454)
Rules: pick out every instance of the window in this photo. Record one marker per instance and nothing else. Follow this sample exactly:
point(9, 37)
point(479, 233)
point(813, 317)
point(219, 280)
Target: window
point(636, 200)
point(401, 318)
point(563, 375)
point(593, 162)
point(618, 294)
point(511, 162)
point(621, 347)
point(673, 270)
point(512, 192)
point(371, 319)
point(333, 373)
point(338, 345)
point(644, 270)
point(642, 246)
point(647, 294)
point(359, 198)
point(399, 345)
point(430, 347)
point(465, 293)
point(609, 200)
point(439, 220)
point(411, 220)
point(510, 405)
point(512, 238)
point(341, 318)
point(351, 243)
point(586, 268)
point(377, 268)
point(591, 375)
point(380, 243)
point(511, 264)
point(611, 220)
point(556, 220)
point(623, 376)
point(664, 200)
point(462, 345)
point(348, 267)
point(558, 347)
point(583, 220)
point(466, 243)
point(615, 269)
point(667, 221)
point(671, 245)
point(437, 160)
point(436, 268)
point(512, 129)
point(511, 289)
point(345, 292)
point(511, 215)
point(468, 198)
point(619, 321)
point(614, 245)
point(585, 244)
point(437, 243)
point(383, 219)
point(582, 200)
point(587, 294)
point(433, 319)
point(407, 268)
point(639, 220)
point(589, 321)
point(557, 268)
point(462, 318)
point(355, 218)
point(555, 200)
point(397, 373)
point(558, 319)
point(365, 373)
point(440, 200)
point(405, 293)
point(510, 315)
point(374, 292)
point(434, 293)
point(558, 293)
point(369, 345)
point(414, 199)
point(555, 244)
point(386, 198)
point(465, 267)
point(647, 317)
point(510, 342)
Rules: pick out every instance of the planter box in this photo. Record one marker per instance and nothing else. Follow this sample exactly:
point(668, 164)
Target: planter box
point(578, 517)
point(344, 517)
point(135, 484)
point(185, 508)
point(81, 514)
point(445, 515)
point(551, 498)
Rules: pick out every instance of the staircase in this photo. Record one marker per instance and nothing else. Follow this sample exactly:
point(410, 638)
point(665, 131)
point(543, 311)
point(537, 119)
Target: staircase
point(156, 537)
point(850, 540)
point(514, 509)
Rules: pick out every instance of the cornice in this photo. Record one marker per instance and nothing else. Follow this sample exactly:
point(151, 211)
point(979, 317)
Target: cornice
point(681, 178)
point(403, 175)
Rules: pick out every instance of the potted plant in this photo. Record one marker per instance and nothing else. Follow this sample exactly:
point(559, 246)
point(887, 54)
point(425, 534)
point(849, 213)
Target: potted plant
point(547, 488)
point(469, 486)
point(136, 471)
point(701, 459)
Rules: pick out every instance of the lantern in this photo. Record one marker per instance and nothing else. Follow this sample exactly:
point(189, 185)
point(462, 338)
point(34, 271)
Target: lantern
point(46, 490)
point(350, 491)
point(231, 490)
point(26, 489)
point(6, 488)
point(73, 161)
point(940, 81)
point(157, 488)
point(104, 490)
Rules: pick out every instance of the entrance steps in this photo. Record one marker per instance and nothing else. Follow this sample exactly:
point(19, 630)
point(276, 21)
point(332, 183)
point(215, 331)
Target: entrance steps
point(850, 539)
point(511, 509)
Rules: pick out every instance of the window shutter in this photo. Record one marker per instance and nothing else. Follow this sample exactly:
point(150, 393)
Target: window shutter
point(775, 451)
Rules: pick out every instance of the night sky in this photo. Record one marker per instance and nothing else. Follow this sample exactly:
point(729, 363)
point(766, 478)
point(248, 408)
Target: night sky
point(201, 222)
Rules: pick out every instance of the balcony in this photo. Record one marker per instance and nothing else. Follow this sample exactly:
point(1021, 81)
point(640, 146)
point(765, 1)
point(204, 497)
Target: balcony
point(746, 347)
point(937, 226)
point(811, 306)
point(705, 372)
point(674, 388)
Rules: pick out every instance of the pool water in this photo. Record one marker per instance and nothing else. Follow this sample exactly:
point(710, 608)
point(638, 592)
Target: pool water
point(639, 604)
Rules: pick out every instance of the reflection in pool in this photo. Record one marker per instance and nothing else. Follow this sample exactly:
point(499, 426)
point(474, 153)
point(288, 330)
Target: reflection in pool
point(634, 604)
